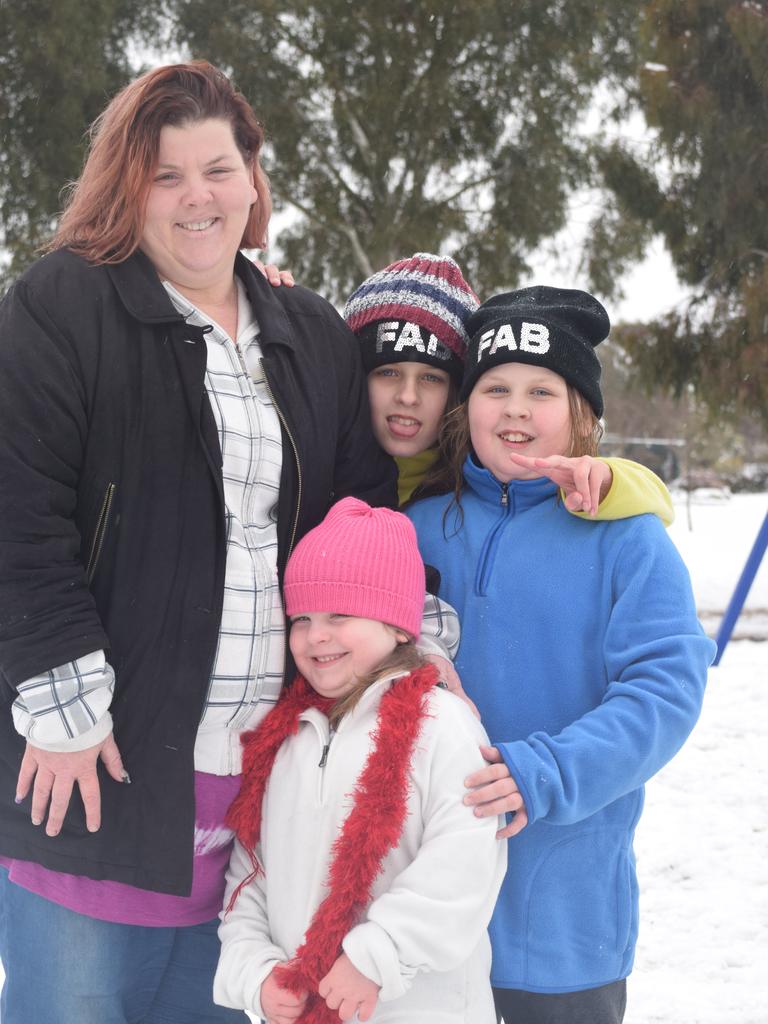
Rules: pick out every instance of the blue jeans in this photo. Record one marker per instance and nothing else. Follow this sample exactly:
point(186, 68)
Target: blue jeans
point(65, 968)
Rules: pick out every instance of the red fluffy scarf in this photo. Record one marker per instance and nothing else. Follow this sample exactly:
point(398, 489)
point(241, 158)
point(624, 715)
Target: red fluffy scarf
point(372, 828)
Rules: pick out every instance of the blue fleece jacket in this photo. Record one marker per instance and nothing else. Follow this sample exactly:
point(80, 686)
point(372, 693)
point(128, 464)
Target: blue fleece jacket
point(581, 648)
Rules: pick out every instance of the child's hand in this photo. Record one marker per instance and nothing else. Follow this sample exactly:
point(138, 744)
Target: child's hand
point(279, 1005)
point(274, 274)
point(585, 481)
point(494, 792)
point(345, 989)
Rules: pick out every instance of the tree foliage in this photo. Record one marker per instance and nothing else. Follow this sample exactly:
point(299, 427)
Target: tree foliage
point(459, 128)
point(639, 426)
point(61, 62)
point(397, 126)
point(704, 186)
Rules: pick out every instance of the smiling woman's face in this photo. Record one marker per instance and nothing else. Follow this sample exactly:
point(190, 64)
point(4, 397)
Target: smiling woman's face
point(198, 205)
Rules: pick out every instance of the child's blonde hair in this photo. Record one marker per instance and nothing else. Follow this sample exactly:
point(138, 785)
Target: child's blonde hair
point(404, 658)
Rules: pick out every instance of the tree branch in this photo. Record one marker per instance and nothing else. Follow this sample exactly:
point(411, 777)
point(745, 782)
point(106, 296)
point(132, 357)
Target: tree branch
point(447, 200)
point(361, 257)
point(361, 139)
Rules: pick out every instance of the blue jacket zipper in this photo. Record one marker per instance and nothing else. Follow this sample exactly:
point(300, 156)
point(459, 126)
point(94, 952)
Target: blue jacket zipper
point(489, 549)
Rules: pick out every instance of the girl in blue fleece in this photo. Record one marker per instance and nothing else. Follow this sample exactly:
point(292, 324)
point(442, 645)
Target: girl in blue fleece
point(580, 647)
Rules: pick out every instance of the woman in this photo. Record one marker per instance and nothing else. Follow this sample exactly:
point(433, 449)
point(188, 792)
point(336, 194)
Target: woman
point(170, 427)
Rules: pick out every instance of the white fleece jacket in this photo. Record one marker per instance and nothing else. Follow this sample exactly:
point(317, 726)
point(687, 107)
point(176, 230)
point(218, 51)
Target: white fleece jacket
point(423, 939)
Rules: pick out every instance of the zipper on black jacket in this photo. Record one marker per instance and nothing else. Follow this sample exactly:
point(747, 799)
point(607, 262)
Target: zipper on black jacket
point(295, 456)
point(101, 530)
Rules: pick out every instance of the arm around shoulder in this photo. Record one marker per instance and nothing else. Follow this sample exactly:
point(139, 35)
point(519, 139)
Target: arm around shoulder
point(656, 658)
point(635, 490)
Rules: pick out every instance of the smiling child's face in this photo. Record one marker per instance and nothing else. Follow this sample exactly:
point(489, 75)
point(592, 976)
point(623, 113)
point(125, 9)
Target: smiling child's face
point(515, 407)
point(334, 651)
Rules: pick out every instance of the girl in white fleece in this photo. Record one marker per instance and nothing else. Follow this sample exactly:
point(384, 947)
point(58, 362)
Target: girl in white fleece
point(360, 886)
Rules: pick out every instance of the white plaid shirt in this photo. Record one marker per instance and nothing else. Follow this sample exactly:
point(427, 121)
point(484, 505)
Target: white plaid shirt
point(250, 658)
point(67, 708)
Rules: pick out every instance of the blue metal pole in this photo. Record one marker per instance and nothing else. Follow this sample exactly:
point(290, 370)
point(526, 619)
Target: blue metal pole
point(736, 603)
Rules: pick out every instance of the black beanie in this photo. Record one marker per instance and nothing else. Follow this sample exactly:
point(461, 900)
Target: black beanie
point(557, 328)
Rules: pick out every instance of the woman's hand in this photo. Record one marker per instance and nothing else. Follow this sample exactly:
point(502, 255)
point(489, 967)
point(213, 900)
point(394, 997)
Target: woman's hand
point(584, 480)
point(345, 989)
point(55, 775)
point(450, 677)
point(279, 1005)
point(495, 792)
point(275, 275)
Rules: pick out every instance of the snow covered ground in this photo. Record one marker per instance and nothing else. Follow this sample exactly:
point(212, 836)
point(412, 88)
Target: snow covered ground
point(702, 848)
point(702, 841)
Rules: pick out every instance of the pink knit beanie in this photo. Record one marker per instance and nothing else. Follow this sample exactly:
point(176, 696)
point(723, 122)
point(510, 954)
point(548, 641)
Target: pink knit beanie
point(359, 561)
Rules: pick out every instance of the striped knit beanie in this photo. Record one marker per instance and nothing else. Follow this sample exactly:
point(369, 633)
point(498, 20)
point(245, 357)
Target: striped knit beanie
point(359, 561)
point(414, 310)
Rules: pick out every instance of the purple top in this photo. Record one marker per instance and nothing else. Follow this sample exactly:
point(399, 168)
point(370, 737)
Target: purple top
point(124, 904)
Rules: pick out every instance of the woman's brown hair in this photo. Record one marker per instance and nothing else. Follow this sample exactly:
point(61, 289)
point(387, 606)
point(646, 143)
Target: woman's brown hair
point(103, 217)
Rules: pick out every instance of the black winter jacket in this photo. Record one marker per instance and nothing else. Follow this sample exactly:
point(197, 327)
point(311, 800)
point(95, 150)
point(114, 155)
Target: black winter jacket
point(112, 526)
